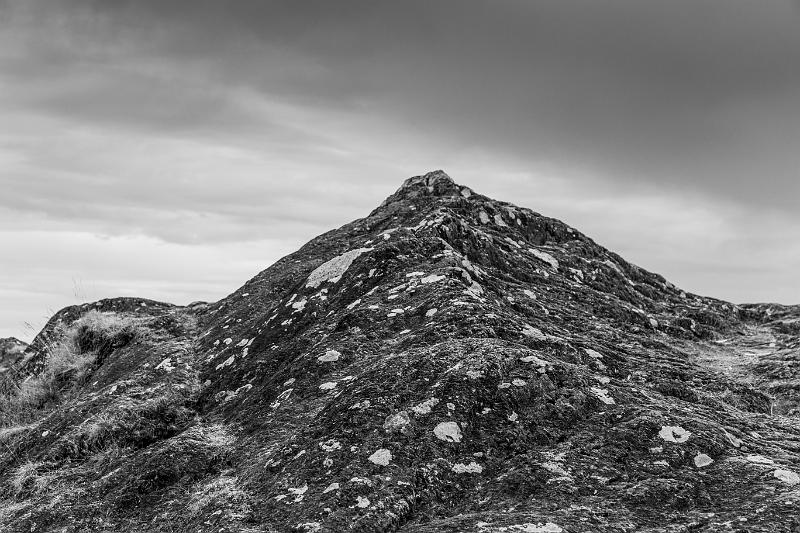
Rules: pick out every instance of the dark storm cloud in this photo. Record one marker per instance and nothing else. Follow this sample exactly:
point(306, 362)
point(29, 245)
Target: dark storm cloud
point(698, 94)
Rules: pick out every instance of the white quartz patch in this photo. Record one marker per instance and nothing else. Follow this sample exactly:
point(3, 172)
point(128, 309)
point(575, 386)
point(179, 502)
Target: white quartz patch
point(702, 460)
point(674, 434)
point(602, 395)
point(381, 457)
point(226, 362)
point(299, 305)
point(333, 269)
point(362, 502)
point(448, 432)
point(593, 354)
point(786, 476)
point(760, 459)
point(534, 333)
point(548, 527)
point(329, 356)
point(544, 256)
point(471, 468)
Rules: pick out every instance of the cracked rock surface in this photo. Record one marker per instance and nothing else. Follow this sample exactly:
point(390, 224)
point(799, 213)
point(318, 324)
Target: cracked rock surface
point(448, 363)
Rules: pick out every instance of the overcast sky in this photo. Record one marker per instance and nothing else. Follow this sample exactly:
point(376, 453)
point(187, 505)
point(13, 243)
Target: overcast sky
point(171, 149)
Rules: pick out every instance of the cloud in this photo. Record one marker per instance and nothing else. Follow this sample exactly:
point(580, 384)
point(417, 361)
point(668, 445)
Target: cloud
point(203, 123)
point(703, 95)
point(44, 270)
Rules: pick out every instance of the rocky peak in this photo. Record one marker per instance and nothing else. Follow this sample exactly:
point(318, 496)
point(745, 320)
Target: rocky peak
point(448, 363)
point(433, 184)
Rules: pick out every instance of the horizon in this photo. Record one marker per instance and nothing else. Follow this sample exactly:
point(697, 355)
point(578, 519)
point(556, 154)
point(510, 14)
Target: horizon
point(141, 158)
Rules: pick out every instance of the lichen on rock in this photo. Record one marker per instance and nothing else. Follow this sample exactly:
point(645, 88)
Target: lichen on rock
point(449, 362)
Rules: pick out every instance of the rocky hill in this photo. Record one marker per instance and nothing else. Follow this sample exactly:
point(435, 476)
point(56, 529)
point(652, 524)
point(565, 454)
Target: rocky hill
point(11, 350)
point(448, 363)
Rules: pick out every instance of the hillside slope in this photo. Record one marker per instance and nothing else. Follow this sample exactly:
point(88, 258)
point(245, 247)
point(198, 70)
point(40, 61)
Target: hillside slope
point(448, 363)
point(11, 350)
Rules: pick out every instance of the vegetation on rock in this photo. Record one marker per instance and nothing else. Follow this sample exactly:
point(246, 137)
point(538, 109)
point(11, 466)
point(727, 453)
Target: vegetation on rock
point(448, 363)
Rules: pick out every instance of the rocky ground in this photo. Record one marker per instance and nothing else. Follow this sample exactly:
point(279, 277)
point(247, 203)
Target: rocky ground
point(448, 363)
point(11, 350)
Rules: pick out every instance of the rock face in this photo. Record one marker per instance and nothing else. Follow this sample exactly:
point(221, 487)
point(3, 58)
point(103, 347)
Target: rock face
point(448, 363)
point(11, 350)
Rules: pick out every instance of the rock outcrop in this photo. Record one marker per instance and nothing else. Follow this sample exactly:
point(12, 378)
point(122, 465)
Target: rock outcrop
point(11, 350)
point(448, 363)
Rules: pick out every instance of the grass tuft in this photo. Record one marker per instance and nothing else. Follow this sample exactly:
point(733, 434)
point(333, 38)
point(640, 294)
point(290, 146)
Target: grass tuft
point(73, 355)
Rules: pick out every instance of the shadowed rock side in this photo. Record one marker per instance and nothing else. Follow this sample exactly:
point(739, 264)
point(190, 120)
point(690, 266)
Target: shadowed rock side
point(11, 350)
point(448, 363)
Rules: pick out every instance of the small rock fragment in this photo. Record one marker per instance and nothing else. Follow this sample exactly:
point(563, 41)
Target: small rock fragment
point(448, 432)
point(471, 468)
point(329, 356)
point(381, 457)
point(702, 460)
point(674, 434)
point(602, 395)
point(362, 502)
point(786, 476)
point(331, 487)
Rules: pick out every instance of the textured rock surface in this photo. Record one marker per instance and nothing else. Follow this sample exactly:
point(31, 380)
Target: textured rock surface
point(11, 350)
point(448, 363)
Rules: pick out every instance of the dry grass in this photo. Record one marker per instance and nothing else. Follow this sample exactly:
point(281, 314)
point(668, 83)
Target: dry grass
point(6, 433)
point(28, 478)
point(223, 491)
point(70, 359)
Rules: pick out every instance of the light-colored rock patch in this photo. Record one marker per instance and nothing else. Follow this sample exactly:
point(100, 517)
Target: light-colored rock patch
point(786, 476)
point(425, 407)
point(602, 395)
point(329, 356)
point(333, 269)
point(381, 457)
point(448, 432)
point(702, 460)
point(674, 434)
point(545, 257)
point(471, 468)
